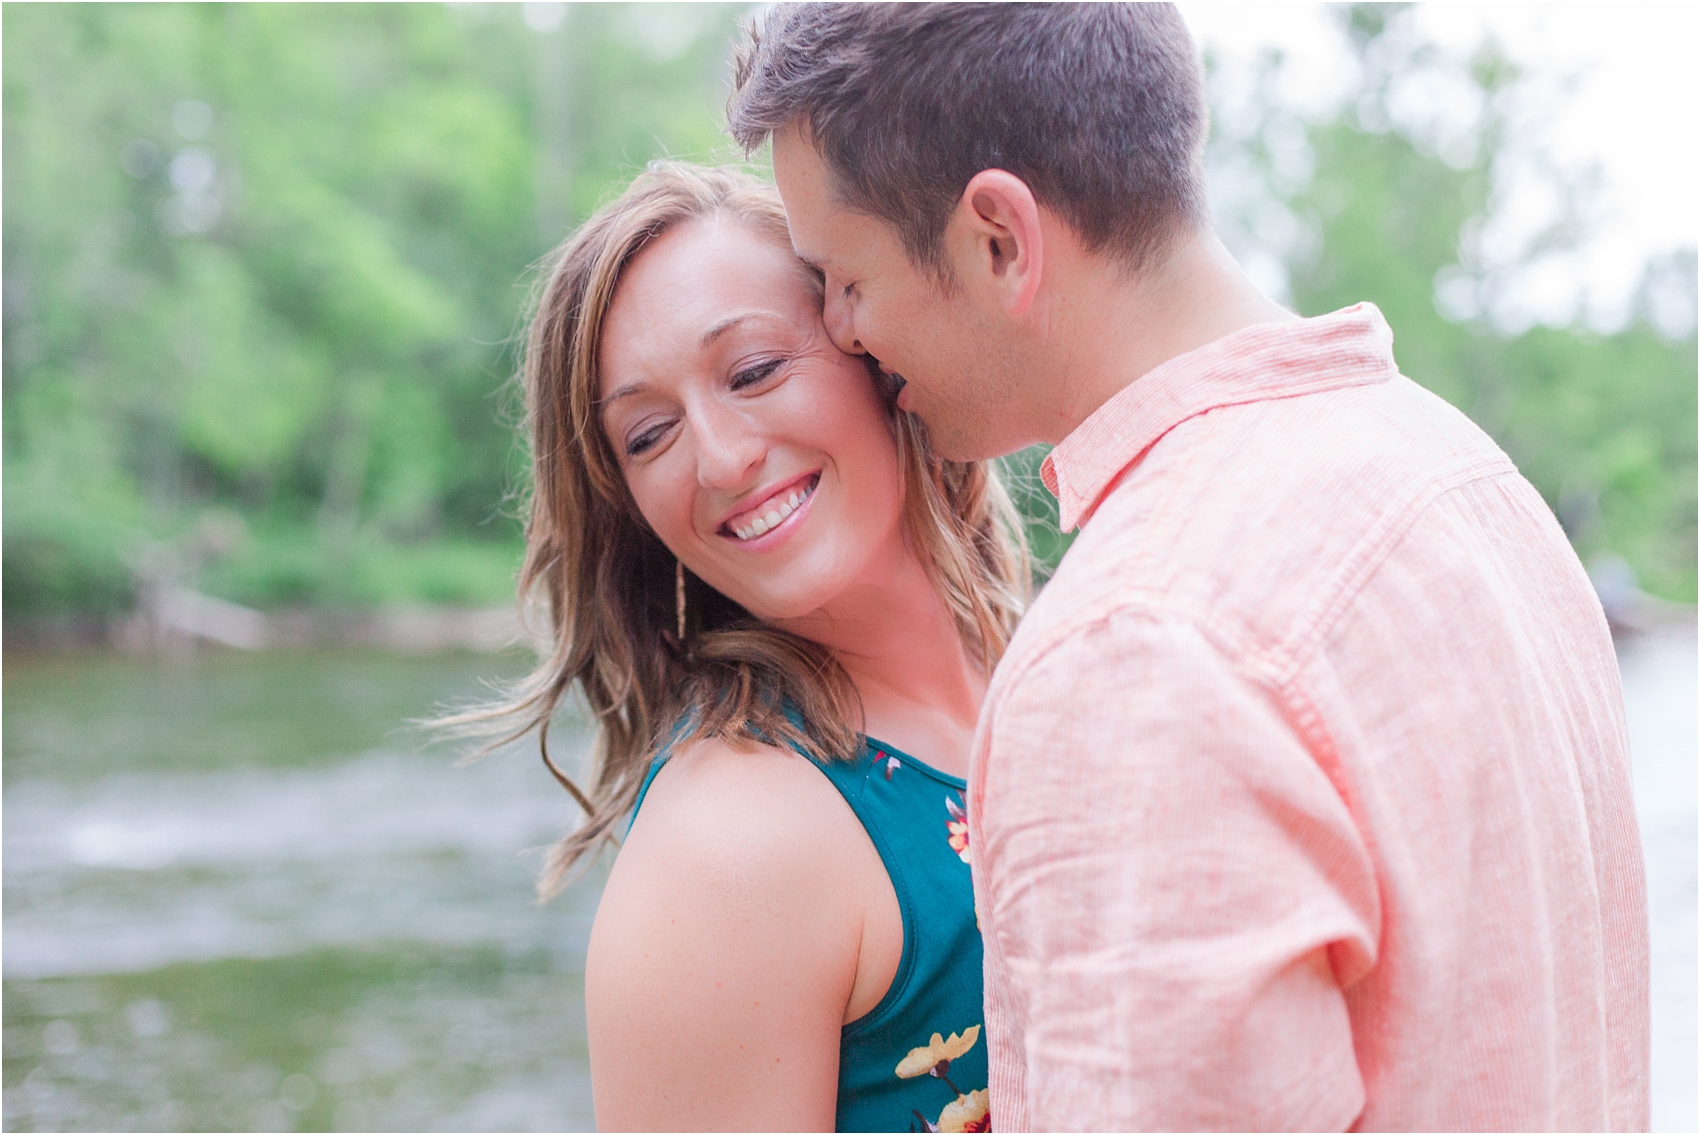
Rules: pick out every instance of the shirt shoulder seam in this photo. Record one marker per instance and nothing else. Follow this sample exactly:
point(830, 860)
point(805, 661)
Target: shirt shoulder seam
point(1284, 660)
point(1276, 667)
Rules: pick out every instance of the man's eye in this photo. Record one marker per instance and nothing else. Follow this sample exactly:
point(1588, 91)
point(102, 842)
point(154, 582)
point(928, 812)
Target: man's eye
point(749, 376)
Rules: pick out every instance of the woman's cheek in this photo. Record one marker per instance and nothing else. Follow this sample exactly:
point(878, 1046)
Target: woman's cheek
point(838, 405)
point(664, 500)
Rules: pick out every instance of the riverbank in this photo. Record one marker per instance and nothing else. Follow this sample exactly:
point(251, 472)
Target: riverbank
point(174, 619)
point(178, 621)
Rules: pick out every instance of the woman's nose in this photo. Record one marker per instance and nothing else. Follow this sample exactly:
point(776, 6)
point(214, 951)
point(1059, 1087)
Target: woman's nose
point(728, 448)
point(839, 317)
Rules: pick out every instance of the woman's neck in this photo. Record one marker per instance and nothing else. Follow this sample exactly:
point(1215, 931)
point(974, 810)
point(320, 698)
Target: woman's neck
point(898, 641)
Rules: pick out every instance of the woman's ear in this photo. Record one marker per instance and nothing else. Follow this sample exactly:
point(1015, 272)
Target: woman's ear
point(995, 240)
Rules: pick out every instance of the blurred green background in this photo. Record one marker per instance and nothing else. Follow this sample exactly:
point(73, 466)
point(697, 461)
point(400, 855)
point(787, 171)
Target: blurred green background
point(265, 265)
point(264, 268)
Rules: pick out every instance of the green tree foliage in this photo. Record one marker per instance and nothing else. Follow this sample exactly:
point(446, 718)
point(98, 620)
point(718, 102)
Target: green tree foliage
point(264, 265)
point(1602, 424)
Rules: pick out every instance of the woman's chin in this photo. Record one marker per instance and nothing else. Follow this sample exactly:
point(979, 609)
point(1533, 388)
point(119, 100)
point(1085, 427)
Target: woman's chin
point(782, 612)
point(784, 605)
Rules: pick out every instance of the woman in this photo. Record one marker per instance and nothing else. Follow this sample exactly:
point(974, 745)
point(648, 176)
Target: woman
point(771, 594)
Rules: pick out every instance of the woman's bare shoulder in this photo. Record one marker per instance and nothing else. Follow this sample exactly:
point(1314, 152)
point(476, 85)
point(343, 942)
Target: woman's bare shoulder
point(717, 812)
point(726, 946)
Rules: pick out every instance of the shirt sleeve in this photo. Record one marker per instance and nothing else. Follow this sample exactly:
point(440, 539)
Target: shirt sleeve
point(1178, 893)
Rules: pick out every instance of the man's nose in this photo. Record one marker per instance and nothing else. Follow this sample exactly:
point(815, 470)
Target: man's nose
point(839, 317)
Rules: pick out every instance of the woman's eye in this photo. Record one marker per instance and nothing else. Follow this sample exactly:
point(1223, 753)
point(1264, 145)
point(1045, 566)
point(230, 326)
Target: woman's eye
point(749, 376)
point(645, 440)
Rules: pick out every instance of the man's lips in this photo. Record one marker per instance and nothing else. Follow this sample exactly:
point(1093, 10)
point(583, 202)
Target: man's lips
point(771, 510)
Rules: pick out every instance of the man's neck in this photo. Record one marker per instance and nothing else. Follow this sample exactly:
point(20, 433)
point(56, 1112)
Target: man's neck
point(1114, 330)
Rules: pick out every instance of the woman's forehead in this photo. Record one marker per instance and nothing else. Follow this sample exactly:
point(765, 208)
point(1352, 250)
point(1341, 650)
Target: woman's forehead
point(691, 286)
point(709, 258)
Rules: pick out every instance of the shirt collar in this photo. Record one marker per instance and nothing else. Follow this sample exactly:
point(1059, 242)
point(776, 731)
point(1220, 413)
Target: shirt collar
point(1350, 347)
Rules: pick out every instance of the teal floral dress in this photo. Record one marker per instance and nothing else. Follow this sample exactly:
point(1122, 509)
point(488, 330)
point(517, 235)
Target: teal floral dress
point(917, 1060)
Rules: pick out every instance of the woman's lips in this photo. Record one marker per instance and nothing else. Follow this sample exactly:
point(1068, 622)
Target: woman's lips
point(772, 512)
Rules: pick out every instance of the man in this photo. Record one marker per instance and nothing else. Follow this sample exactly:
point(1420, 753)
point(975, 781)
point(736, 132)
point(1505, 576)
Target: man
point(1301, 798)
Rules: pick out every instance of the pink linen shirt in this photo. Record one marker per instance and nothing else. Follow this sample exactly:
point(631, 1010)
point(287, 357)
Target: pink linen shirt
point(1301, 798)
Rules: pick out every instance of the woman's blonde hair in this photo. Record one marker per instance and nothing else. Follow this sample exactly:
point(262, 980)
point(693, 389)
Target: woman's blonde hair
point(609, 584)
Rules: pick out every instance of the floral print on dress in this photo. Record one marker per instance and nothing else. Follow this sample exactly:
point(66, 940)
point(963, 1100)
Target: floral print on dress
point(966, 1113)
point(969, 1111)
point(957, 826)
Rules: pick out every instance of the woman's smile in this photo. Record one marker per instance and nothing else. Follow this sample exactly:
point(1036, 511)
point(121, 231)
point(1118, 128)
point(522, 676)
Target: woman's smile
point(774, 515)
point(764, 437)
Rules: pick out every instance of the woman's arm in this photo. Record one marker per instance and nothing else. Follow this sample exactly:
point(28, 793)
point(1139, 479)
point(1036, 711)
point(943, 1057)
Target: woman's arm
point(726, 948)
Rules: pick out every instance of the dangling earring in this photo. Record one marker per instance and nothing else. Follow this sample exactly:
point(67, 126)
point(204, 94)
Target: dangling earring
point(679, 597)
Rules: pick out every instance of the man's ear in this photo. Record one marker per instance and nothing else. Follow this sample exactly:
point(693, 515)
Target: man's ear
point(1000, 245)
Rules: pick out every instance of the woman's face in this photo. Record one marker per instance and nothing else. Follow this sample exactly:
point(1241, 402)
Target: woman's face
point(760, 454)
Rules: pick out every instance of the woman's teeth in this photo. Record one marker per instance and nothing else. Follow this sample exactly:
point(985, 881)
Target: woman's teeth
point(776, 512)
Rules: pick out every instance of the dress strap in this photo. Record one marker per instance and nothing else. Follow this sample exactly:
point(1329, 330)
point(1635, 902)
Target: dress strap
point(648, 779)
point(661, 756)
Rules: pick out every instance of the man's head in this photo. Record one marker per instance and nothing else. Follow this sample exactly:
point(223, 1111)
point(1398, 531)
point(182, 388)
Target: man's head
point(927, 154)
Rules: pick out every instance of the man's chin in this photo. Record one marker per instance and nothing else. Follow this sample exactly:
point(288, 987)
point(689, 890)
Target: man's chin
point(976, 453)
point(956, 440)
point(903, 392)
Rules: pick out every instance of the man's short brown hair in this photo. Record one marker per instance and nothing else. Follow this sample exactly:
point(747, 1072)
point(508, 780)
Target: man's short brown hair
point(1099, 108)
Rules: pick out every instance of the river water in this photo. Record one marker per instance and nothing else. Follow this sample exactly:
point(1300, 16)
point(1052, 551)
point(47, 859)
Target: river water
point(239, 895)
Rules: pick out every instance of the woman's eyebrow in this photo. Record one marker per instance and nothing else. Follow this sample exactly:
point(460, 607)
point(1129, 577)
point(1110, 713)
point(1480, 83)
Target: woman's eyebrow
point(722, 326)
point(714, 332)
point(620, 392)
